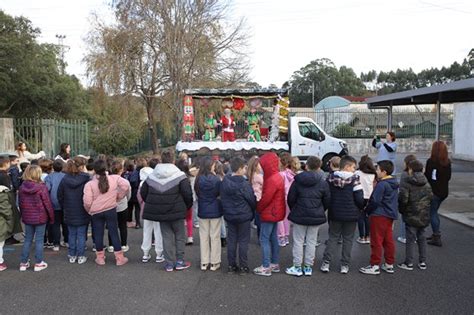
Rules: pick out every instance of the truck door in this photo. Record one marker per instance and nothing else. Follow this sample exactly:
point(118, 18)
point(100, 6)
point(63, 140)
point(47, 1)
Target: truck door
point(309, 140)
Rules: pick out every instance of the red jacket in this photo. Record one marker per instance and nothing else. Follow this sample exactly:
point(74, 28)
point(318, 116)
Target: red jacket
point(272, 206)
point(35, 205)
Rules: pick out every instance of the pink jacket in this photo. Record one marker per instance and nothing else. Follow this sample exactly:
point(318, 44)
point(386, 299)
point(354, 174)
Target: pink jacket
point(288, 176)
point(95, 202)
point(257, 185)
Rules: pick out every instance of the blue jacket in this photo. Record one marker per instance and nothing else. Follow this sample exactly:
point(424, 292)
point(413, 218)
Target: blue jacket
point(134, 180)
point(70, 193)
point(238, 199)
point(308, 198)
point(15, 177)
point(52, 181)
point(347, 197)
point(384, 199)
point(209, 205)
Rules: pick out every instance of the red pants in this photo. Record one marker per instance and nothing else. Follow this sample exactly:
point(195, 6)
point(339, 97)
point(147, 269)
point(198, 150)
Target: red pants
point(228, 136)
point(381, 238)
point(189, 222)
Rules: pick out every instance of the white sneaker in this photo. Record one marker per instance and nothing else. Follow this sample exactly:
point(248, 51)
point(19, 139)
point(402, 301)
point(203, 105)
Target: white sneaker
point(64, 244)
point(25, 266)
point(146, 258)
point(370, 270)
point(160, 259)
point(125, 248)
point(72, 259)
point(55, 248)
point(387, 268)
point(402, 240)
point(360, 240)
point(81, 260)
point(325, 267)
point(344, 269)
point(41, 266)
point(110, 249)
point(422, 266)
point(190, 241)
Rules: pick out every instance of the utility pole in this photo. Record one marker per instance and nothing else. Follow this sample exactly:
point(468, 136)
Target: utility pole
point(312, 95)
point(62, 49)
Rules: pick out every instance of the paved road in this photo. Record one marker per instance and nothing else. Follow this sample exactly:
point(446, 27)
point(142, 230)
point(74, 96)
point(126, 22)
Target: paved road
point(445, 287)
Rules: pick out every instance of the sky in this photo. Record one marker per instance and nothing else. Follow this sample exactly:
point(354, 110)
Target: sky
point(285, 35)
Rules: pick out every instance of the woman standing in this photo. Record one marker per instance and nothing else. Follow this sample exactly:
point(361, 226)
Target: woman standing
point(100, 201)
point(207, 187)
point(387, 150)
point(438, 173)
point(64, 152)
point(25, 156)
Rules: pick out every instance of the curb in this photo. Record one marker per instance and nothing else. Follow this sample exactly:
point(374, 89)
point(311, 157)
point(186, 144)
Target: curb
point(456, 220)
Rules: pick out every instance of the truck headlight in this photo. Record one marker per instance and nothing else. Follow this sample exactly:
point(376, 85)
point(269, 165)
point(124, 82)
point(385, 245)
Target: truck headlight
point(343, 145)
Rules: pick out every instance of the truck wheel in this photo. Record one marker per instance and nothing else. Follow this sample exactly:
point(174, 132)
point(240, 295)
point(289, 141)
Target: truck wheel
point(326, 158)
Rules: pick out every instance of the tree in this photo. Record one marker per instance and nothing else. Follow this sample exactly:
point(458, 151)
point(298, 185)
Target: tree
point(156, 49)
point(31, 83)
point(326, 80)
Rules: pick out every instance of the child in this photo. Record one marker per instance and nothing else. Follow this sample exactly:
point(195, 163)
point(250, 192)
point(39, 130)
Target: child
point(403, 179)
point(141, 163)
point(271, 209)
point(347, 200)
point(46, 167)
point(238, 203)
point(52, 181)
point(255, 178)
point(36, 210)
point(133, 177)
point(366, 173)
point(308, 198)
point(182, 164)
point(288, 174)
point(414, 201)
point(222, 169)
point(14, 172)
point(122, 206)
point(334, 164)
point(70, 198)
point(100, 201)
point(207, 189)
point(167, 194)
point(8, 224)
point(382, 209)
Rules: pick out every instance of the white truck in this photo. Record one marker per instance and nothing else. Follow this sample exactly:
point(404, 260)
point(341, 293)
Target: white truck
point(302, 137)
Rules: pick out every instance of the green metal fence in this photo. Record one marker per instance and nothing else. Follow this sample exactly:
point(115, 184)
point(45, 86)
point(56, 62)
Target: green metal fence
point(48, 134)
point(365, 123)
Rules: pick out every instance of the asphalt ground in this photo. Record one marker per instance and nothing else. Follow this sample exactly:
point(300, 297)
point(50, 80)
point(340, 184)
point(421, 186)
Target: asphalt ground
point(447, 286)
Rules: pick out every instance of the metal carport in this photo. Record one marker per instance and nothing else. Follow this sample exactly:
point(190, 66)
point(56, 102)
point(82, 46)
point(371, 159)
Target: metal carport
point(450, 93)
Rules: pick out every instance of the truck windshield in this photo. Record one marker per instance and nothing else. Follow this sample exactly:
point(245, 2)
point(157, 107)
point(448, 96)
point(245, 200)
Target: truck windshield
point(309, 130)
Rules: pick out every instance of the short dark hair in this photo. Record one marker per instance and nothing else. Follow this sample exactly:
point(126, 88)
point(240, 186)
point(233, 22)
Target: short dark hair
point(415, 166)
point(4, 161)
point(153, 162)
point(58, 165)
point(167, 157)
point(347, 160)
point(236, 163)
point(386, 166)
point(313, 163)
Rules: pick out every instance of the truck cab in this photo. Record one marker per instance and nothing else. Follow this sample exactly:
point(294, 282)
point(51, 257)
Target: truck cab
point(307, 138)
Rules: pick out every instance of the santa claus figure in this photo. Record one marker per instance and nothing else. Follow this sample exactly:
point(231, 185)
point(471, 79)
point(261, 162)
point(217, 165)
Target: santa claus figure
point(228, 125)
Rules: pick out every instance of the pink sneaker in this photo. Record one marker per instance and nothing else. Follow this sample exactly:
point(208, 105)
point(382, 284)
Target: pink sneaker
point(41, 266)
point(3, 266)
point(275, 268)
point(24, 266)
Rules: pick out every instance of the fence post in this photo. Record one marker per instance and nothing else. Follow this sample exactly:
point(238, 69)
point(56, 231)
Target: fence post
point(7, 143)
point(48, 136)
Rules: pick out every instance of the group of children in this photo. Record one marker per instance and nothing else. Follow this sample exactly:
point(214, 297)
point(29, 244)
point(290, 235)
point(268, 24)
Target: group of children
point(269, 190)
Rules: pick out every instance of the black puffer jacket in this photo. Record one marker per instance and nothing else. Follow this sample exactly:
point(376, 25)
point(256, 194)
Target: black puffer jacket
point(414, 199)
point(347, 197)
point(70, 193)
point(167, 194)
point(208, 197)
point(238, 199)
point(308, 198)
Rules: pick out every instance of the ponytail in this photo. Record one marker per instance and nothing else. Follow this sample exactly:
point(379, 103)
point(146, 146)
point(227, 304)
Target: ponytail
point(100, 168)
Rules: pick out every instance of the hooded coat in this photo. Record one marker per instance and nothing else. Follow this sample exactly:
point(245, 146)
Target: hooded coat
point(9, 219)
point(209, 204)
point(238, 199)
point(70, 197)
point(347, 196)
point(308, 198)
point(272, 205)
point(35, 205)
point(52, 181)
point(384, 199)
point(414, 200)
point(167, 194)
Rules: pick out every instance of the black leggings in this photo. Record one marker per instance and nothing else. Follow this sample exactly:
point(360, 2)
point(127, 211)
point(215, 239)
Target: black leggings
point(131, 205)
point(122, 217)
point(54, 230)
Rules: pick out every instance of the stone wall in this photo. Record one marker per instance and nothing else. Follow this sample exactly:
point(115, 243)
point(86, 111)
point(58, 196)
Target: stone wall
point(463, 131)
point(405, 145)
point(7, 140)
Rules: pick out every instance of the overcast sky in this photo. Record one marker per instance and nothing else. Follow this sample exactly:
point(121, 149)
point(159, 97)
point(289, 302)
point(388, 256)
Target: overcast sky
point(287, 35)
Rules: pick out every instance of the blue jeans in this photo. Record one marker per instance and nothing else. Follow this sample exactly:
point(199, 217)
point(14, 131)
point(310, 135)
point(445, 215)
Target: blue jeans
point(77, 240)
point(98, 225)
point(269, 243)
point(363, 225)
point(435, 203)
point(36, 232)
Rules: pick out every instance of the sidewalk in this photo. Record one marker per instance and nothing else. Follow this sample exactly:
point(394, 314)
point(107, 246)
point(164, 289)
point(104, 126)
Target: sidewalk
point(459, 206)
